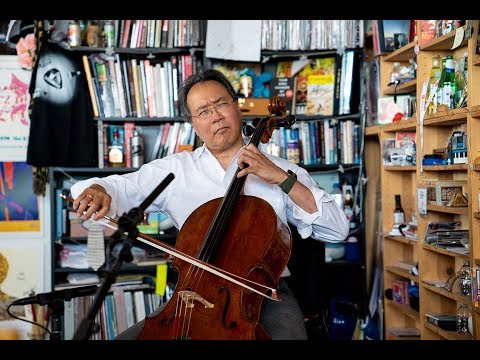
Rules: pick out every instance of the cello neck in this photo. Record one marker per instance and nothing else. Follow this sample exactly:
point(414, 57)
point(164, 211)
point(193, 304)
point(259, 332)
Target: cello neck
point(217, 228)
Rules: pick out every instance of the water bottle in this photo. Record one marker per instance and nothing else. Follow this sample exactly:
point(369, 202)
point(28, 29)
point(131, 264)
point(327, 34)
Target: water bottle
point(137, 149)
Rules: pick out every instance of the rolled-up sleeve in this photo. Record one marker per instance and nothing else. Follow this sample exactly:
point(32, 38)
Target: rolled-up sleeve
point(328, 223)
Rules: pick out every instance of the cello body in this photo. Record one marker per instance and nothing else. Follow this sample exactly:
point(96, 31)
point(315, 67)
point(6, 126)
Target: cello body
point(256, 245)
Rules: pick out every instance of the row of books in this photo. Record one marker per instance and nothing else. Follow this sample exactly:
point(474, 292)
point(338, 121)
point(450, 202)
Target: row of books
point(130, 33)
point(168, 138)
point(320, 142)
point(311, 34)
point(120, 310)
point(136, 88)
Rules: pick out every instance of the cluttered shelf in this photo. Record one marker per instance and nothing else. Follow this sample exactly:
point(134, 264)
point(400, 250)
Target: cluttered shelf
point(405, 53)
point(402, 125)
point(402, 239)
point(401, 272)
point(447, 118)
point(448, 209)
point(452, 167)
point(444, 42)
point(445, 251)
point(453, 296)
point(400, 168)
point(404, 88)
point(404, 309)
point(449, 335)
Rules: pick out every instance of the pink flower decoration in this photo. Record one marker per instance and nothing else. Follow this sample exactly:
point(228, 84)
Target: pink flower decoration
point(26, 48)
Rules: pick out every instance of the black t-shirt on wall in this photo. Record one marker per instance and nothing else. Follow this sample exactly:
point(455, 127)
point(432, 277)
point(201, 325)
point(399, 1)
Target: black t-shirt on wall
point(61, 124)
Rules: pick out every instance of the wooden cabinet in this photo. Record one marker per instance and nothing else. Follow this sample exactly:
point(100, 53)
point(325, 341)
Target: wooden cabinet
point(435, 263)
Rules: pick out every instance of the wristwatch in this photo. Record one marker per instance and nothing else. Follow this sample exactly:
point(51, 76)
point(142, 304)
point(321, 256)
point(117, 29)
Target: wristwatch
point(287, 185)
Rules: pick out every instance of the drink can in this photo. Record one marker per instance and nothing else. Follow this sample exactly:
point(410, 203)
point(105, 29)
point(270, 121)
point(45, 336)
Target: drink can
point(137, 150)
point(109, 31)
point(74, 34)
point(93, 34)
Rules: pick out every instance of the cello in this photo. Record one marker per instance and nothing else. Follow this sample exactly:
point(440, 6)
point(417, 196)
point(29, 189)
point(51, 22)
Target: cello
point(239, 234)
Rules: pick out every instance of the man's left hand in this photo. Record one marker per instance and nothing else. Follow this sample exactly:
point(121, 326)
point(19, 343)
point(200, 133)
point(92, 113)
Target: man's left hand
point(253, 161)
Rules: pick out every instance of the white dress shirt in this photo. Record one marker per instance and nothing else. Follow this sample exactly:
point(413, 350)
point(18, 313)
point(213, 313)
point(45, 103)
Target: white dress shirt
point(199, 177)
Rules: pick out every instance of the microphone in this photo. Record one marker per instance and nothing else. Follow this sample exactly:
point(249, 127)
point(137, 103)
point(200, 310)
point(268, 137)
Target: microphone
point(67, 294)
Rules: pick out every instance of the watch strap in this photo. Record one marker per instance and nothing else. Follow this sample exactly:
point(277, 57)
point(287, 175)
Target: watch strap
point(287, 185)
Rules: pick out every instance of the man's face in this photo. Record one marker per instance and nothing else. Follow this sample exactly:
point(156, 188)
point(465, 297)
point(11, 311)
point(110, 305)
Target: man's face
point(216, 117)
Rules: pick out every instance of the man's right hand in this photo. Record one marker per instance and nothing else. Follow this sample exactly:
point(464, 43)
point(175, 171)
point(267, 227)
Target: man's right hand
point(95, 201)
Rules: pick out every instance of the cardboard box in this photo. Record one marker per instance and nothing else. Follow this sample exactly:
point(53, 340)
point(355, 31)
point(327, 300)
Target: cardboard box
point(254, 106)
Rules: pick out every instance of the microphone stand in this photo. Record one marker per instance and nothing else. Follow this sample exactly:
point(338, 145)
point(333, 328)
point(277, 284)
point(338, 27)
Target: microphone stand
point(56, 308)
point(126, 224)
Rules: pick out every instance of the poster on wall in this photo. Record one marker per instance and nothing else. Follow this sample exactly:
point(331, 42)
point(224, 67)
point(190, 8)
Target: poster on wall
point(19, 205)
point(14, 101)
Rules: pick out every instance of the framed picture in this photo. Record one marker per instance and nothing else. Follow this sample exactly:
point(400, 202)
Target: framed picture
point(14, 101)
point(22, 212)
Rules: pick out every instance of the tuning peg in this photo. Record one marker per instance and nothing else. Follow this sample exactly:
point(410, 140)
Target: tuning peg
point(248, 130)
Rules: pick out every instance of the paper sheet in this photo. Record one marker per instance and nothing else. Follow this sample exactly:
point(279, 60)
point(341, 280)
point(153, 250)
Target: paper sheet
point(234, 39)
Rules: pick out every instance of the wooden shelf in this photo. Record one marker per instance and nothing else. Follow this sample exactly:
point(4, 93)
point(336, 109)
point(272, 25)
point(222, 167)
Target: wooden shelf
point(405, 53)
point(401, 239)
point(444, 251)
point(448, 209)
point(372, 130)
point(467, 300)
point(476, 60)
point(449, 335)
point(475, 111)
point(447, 118)
point(400, 168)
point(444, 42)
point(476, 214)
point(405, 88)
point(400, 272)
point(403, 125)
point(454, 167)
point(404, 309)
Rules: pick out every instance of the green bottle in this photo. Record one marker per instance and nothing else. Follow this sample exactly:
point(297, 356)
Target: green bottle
point(450, 84)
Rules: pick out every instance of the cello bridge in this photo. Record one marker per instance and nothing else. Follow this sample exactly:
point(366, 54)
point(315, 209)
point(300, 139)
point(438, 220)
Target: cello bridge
point(189, 297)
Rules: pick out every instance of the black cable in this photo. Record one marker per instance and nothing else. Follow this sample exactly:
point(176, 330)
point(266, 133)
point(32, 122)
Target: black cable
point(28, 321)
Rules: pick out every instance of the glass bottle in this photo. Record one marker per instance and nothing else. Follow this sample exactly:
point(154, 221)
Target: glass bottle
point(115, 152)
point(435, 74)
point(395, 73)
point(464, 316)
point(398, 213)
point(465, 279)
point(348, 208)
point(450, 85)
point(440, 82)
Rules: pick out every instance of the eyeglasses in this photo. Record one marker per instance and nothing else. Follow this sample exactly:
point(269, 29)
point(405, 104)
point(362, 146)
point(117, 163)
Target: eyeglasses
point(220, 107)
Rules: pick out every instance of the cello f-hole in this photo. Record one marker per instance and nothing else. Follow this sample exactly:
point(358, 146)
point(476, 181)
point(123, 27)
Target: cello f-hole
point(225, 309)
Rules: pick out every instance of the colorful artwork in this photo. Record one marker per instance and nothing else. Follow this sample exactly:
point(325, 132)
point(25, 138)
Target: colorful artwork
point(19, 206)
point(14, 100)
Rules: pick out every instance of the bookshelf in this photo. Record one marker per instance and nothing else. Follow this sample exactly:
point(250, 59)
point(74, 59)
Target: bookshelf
point(349, 170)
point(434, 263)
point(110, 76)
